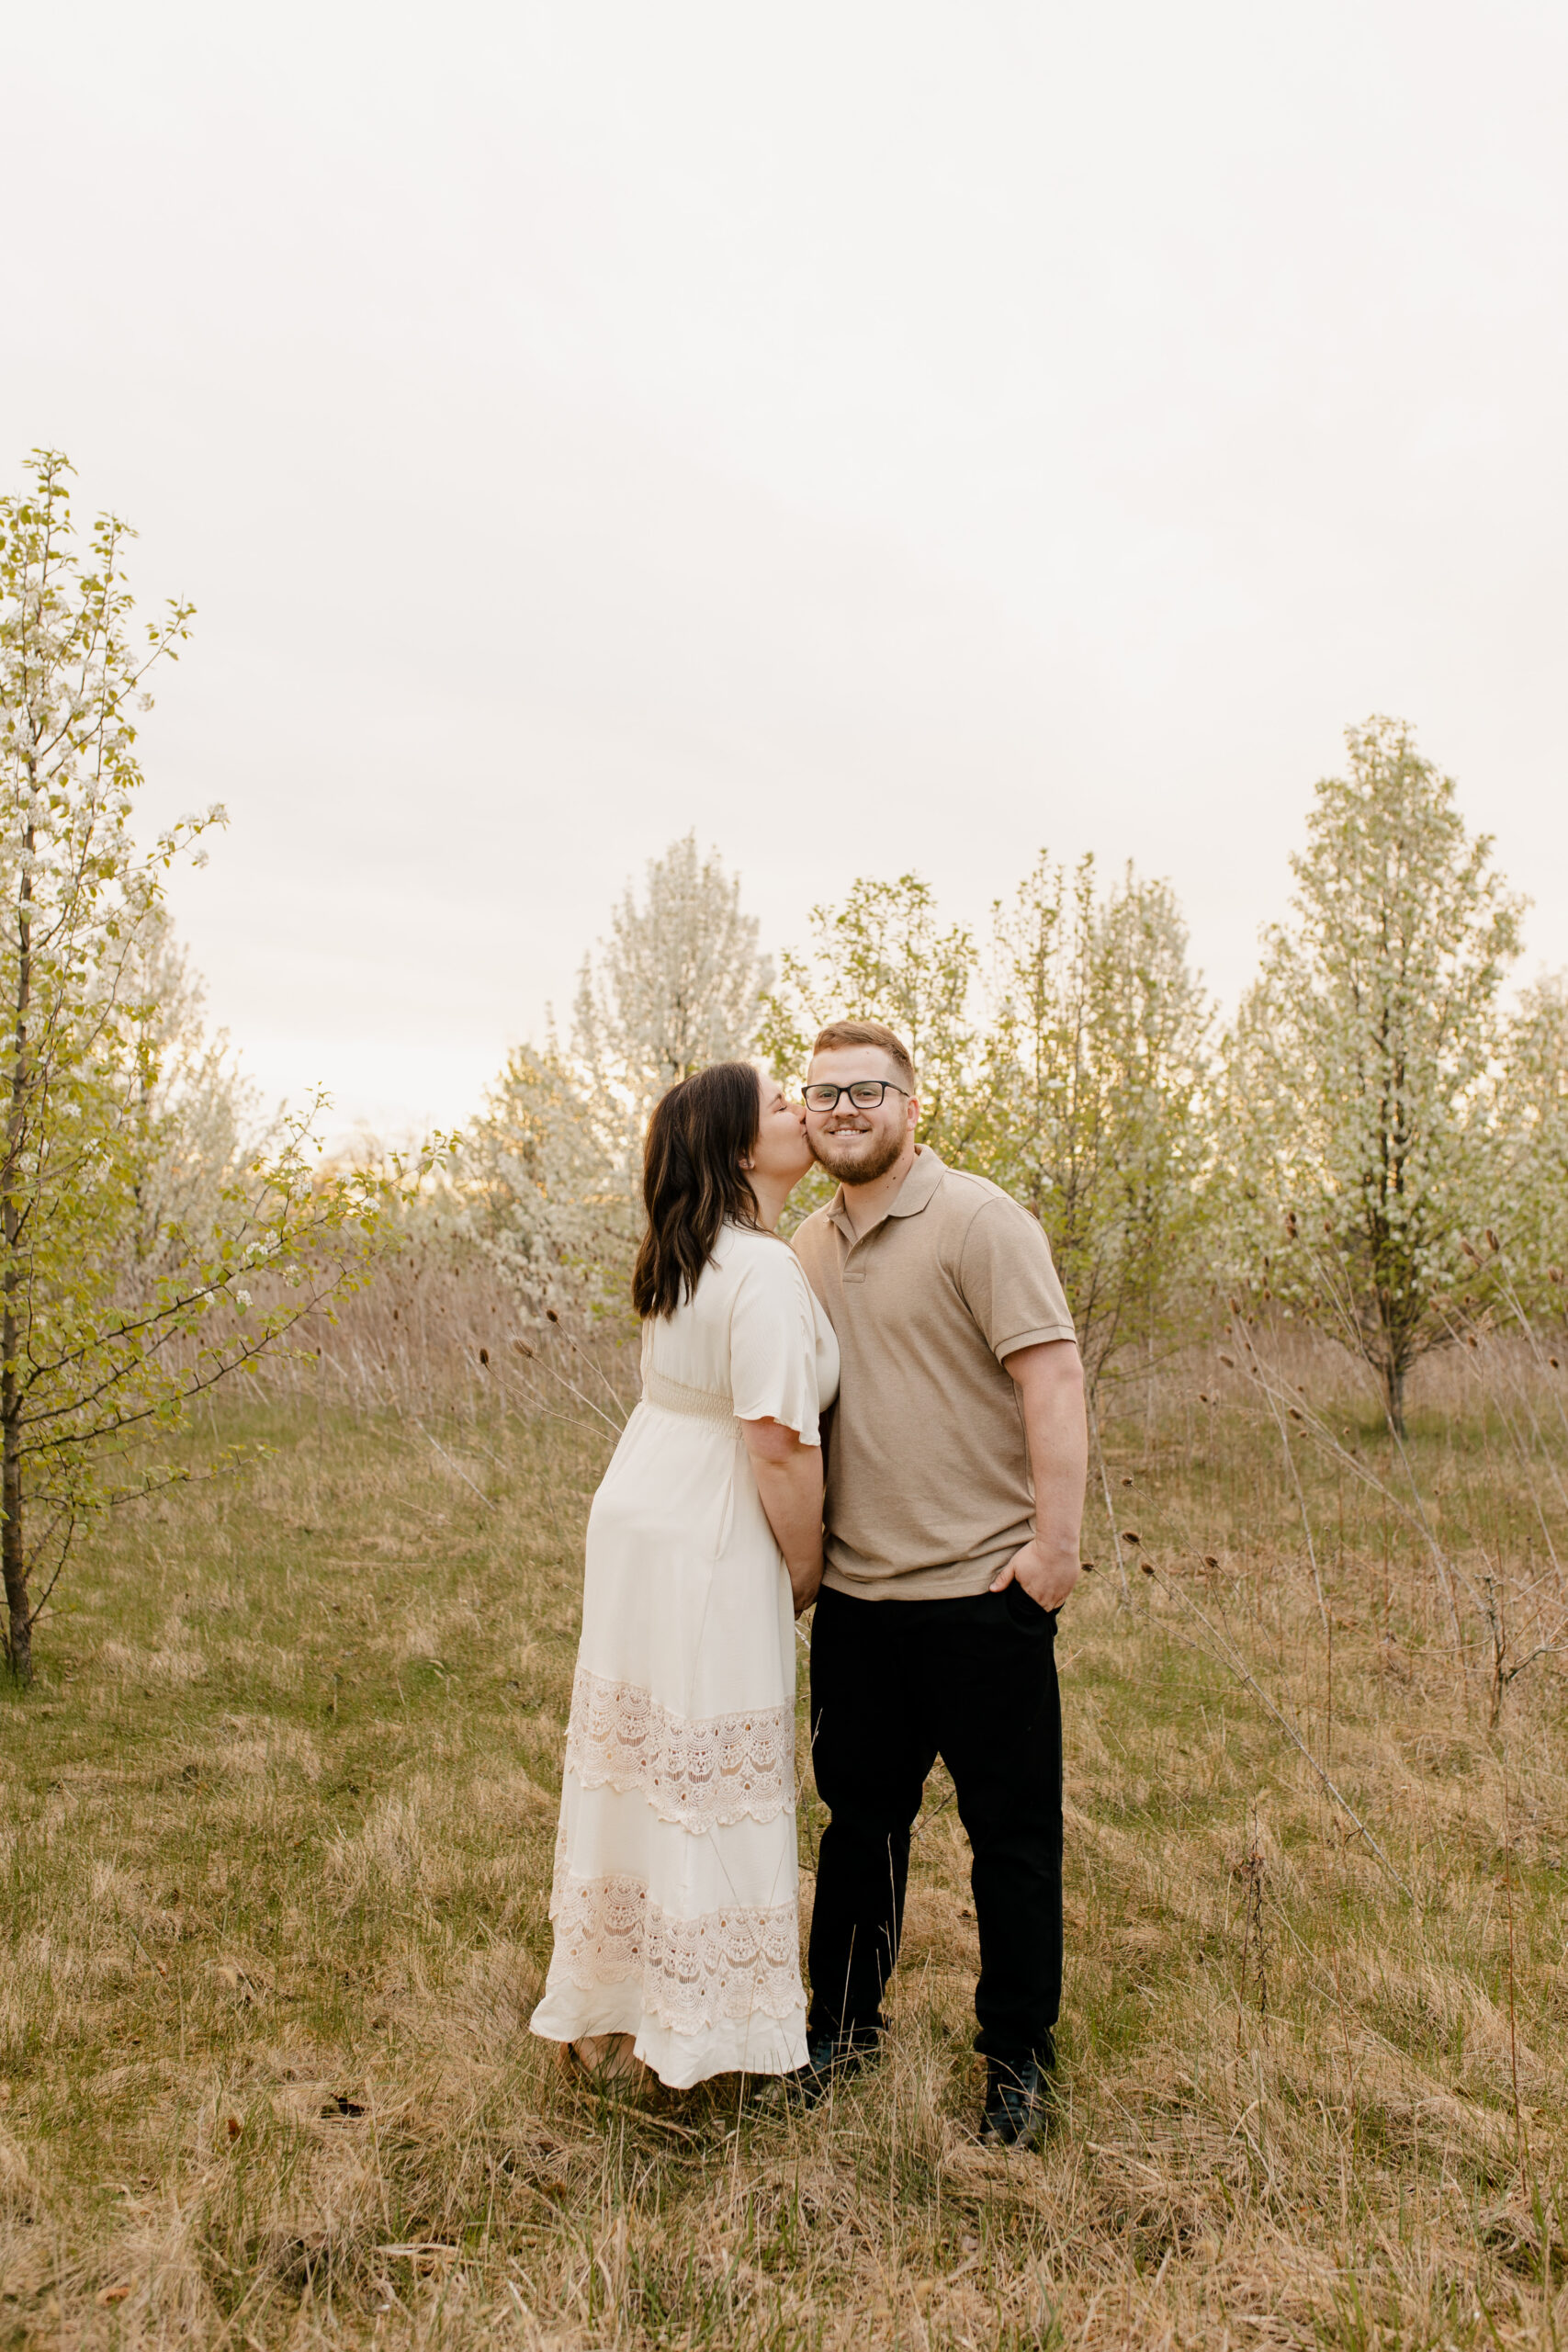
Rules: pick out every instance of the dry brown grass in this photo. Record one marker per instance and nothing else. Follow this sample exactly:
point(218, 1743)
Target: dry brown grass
point(275, 1826)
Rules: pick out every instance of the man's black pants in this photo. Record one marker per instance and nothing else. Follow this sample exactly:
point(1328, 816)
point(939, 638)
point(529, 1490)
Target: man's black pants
point(894, 1684)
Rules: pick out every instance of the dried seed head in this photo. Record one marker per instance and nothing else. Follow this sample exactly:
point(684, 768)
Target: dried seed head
point(1469, 1249)
point(1148, 1566)
point(1128, 1536)
point(550, 1315)
point(1492, 1242)
point(1230, 1359)
point(1209, 1561)
point(1555, 1274)
point(484, 1355)
point(522, 1347)
point(1552, 1361)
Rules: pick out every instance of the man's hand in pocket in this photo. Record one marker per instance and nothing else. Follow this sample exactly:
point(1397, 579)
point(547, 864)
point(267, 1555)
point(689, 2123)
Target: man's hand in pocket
point(1045, 1578)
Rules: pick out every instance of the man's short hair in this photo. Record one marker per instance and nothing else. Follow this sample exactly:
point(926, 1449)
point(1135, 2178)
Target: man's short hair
point(867, 1032)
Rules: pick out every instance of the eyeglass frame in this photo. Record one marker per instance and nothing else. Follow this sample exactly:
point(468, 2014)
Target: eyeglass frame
point(826, 1110)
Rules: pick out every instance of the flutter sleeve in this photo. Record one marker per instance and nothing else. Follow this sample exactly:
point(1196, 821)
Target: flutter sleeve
point(773, 1344)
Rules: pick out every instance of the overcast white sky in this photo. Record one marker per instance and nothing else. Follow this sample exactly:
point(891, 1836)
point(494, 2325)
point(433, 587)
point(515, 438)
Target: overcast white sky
point(880, 436)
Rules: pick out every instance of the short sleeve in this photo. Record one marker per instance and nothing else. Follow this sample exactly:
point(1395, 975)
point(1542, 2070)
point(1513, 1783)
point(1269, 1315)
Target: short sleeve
point(1008, 1280)
point(773, 1344)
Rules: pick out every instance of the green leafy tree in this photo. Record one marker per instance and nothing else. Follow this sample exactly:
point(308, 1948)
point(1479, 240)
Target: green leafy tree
point(1097, 1108)
point(108, 1326)
point(1361, 1072)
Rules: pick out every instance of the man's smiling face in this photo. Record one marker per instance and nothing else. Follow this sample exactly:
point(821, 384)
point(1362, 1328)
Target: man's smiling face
point(858, 1143)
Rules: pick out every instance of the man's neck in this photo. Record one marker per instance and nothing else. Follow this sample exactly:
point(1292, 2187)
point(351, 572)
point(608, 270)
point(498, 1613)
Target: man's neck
point(868, 1205)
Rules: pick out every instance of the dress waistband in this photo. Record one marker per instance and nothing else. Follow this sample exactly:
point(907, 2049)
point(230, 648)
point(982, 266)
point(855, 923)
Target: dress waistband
point(674, 1397)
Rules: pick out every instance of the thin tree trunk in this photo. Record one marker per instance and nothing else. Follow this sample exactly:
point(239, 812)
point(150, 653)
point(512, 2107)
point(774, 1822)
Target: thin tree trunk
point(13, 1542)
point(1393, 1396)
point(12, 1549)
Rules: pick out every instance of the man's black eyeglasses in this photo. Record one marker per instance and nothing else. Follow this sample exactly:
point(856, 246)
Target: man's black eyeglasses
point(866, 1093)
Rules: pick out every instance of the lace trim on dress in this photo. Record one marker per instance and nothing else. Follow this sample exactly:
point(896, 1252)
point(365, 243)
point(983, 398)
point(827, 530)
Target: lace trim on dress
point(713, 1771)
point(718, 1969)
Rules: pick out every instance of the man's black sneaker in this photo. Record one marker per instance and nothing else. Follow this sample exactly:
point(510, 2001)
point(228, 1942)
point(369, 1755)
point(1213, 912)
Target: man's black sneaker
point(827, 2062)
point(1018, 2104)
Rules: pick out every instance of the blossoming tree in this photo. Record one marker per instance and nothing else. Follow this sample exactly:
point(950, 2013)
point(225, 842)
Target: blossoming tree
point(1363, 1068)
point(677, 983)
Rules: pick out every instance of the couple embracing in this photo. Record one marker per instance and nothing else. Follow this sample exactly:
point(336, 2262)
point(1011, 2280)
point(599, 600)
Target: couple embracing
point(922, 1307)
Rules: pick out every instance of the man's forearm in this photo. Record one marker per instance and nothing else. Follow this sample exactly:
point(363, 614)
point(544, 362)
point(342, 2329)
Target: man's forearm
point(1050, 1394)
point(1057, 1432)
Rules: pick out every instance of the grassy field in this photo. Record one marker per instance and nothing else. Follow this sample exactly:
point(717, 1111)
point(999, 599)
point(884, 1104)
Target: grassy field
point(275, 1826)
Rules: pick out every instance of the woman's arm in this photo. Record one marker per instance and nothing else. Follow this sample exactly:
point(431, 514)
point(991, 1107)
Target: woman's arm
point(789, 1480)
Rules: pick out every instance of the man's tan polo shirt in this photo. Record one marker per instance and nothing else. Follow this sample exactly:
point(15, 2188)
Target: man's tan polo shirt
point(929, 1491)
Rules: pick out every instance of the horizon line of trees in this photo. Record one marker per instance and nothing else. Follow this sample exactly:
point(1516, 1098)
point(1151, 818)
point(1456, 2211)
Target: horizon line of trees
point(1376, 1146)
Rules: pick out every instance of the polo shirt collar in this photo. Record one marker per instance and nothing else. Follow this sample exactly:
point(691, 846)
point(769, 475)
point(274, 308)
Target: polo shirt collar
point(914, 1194)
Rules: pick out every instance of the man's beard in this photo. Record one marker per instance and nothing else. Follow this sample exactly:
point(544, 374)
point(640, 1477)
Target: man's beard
point(857, 1158)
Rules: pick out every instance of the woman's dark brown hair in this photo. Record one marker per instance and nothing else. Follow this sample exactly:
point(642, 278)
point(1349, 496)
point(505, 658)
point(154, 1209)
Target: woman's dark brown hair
point(693, 1179)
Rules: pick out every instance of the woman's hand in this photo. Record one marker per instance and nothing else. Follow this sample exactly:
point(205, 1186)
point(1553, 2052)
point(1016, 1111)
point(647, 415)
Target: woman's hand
point(789, 1480)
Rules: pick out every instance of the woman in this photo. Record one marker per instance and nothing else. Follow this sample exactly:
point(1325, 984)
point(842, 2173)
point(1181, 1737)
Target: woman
point(674, 1902)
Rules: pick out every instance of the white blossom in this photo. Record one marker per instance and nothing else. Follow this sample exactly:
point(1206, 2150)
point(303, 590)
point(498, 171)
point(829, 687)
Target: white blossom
point(678, 982)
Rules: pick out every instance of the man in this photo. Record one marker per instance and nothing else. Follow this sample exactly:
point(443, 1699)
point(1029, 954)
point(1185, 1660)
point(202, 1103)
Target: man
point(954, 1497)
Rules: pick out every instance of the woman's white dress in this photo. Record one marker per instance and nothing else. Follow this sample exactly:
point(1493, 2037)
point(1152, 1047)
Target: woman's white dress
point(675, 1898)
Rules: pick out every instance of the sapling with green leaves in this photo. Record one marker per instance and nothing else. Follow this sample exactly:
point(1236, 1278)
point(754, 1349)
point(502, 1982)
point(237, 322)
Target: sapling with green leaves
point(1096, 1059)
point(104, 1343)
